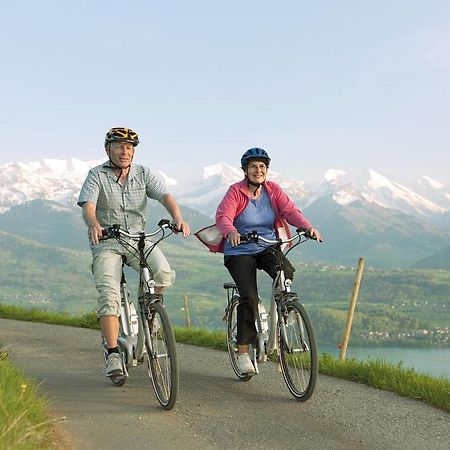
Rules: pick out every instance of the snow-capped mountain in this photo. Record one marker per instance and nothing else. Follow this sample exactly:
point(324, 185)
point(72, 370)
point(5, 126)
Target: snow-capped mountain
point(210, 185)
point(434, 190)
point(51, 179)
point(373, 187)
point(60, 180)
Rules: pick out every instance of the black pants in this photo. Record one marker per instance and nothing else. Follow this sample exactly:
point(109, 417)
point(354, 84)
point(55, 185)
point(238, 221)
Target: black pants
point(242, 269)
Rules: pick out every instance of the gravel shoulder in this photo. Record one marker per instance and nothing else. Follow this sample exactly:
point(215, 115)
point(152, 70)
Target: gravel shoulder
point(214, 410)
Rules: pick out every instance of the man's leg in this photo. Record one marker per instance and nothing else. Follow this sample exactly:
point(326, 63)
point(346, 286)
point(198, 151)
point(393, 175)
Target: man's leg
point(162, 273)
point(110, 330)
point(107, 271)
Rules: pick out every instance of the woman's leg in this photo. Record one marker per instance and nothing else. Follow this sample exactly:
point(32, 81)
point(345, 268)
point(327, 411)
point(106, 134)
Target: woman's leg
point(242, 269)
point(269, 259)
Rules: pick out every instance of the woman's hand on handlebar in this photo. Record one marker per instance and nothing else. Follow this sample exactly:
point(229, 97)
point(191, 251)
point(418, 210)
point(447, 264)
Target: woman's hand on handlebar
point(312, 233)
point(234, 238)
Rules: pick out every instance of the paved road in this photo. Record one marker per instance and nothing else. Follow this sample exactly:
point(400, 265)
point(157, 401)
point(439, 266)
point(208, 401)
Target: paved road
point(214, 410)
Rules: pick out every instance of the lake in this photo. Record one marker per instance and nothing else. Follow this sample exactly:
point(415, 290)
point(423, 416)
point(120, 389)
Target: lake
point(432, 361)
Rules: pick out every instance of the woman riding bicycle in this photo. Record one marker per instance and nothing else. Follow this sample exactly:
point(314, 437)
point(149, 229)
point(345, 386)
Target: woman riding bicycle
point(253, 204)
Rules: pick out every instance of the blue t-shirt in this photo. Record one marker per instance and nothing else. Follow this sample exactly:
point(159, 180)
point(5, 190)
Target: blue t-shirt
point(257, 216)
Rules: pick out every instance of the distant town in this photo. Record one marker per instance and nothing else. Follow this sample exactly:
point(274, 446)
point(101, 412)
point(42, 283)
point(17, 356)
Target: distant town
point(439, 336)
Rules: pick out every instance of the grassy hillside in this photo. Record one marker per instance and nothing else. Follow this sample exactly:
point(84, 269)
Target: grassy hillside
point(386, 238)
point(50, 223)
point(439, 260)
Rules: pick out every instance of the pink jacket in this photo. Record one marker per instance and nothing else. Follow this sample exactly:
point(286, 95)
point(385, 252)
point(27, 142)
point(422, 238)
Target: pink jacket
point(235, 201)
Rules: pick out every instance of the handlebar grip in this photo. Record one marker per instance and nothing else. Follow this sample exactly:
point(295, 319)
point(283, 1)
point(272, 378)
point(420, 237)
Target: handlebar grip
point(249, 238)
point(306, 233)
point(166, 223)
point(244, 239)
point(110, 232)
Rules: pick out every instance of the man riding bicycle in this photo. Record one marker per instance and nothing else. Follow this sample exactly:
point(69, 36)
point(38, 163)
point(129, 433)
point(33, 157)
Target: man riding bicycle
point(116, 192)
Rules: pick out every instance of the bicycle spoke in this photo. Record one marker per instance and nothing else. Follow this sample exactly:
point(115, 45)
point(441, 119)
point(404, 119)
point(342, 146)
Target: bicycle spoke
point(298, 352)
point(232, 345)
point(161, 356)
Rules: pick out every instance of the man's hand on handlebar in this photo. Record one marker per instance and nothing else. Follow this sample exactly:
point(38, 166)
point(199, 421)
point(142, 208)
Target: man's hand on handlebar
point(95, 233)
point(181, 226)
point(312, 233)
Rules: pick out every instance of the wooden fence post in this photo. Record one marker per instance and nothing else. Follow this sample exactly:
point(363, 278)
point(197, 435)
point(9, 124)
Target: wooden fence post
point(351, 311)
point(186, 310)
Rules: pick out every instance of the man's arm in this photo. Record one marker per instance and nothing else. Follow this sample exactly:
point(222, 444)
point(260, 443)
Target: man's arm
point(94, 228)
point(171, 205)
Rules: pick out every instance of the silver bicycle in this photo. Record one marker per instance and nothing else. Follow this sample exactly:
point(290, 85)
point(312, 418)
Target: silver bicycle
point(286, 331)
point(146, 330)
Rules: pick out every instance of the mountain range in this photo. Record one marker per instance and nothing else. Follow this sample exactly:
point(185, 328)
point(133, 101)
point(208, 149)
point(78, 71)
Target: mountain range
point(365, 214)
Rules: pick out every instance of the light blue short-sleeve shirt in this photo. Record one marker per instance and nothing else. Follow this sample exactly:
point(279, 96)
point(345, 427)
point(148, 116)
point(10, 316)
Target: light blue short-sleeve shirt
point(257, 216)
point(117, 204)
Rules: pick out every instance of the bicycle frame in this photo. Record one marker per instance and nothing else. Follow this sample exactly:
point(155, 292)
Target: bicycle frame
point(131, 338)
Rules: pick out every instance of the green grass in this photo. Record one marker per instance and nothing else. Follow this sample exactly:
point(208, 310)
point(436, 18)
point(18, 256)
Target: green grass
point(389, 377)
point(37, 315)
point(28, 423)
point(201, 337)
point(23, 419)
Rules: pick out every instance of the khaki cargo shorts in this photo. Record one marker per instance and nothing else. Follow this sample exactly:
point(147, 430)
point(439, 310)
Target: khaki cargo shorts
point(107, 271)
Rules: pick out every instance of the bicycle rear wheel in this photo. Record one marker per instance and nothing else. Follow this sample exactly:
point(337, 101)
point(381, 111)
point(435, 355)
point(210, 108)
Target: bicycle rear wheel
point(232, 345)
point(162, 356)
point(298, 350)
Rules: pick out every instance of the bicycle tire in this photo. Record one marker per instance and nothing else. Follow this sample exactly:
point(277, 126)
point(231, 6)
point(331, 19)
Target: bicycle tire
point(298, 356)
point(162, 356)
point(232, 346)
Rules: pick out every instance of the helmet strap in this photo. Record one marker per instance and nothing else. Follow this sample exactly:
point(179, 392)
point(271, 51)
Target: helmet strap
point(115, 166)
point(118, 168)
point(255, 185)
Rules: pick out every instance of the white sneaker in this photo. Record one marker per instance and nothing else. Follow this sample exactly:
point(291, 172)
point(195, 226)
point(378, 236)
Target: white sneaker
point(245, 364)
point(113, 367)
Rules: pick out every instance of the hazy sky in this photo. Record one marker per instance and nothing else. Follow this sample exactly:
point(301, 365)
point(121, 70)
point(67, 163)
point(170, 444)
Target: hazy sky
point(343, 84)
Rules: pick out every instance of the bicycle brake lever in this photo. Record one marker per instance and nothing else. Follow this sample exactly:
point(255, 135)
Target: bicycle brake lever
point(307, 234)
point(110, 232)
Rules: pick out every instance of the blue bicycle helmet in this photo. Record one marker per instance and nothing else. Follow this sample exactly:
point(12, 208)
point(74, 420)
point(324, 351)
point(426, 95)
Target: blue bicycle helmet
point(254, 153)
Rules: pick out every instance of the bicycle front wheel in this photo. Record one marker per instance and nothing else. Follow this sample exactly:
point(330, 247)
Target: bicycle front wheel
point(232, 345)
point(162, 356)
point(298, 350)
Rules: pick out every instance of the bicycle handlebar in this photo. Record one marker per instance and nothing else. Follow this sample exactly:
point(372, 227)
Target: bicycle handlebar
point(116, 231)
point(254, 237)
